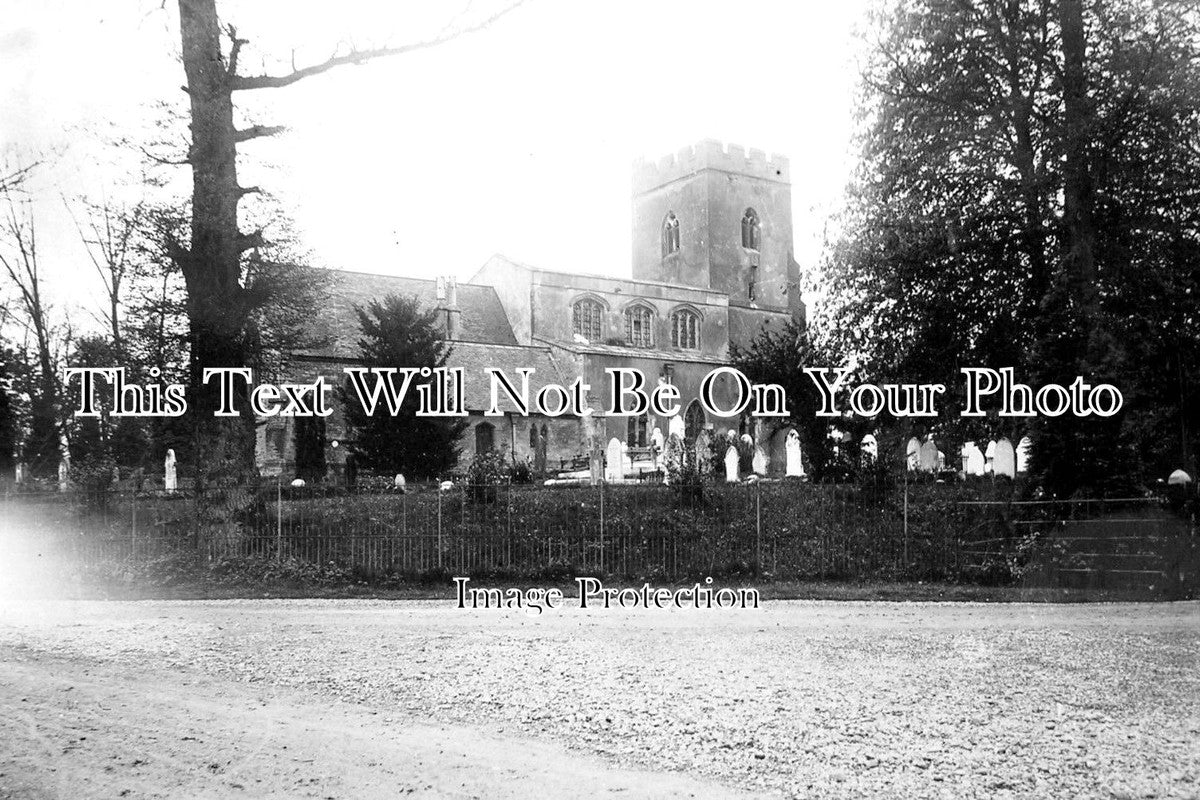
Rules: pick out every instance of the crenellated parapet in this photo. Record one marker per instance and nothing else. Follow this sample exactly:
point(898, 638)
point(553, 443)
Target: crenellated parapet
point(709, 154)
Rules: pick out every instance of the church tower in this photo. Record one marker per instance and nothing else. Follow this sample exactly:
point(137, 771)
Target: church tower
point(718, 218)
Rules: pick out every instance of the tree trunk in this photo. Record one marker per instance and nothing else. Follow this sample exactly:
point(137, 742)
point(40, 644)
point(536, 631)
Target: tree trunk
point(211, 265)
point(1079, 263)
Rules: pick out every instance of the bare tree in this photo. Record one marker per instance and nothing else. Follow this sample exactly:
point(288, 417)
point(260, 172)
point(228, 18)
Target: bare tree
point(218, 303)
point(109, 234)
point(19, 259)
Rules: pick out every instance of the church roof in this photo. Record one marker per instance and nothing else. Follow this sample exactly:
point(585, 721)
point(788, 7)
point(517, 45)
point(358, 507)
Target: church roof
point(336, 331)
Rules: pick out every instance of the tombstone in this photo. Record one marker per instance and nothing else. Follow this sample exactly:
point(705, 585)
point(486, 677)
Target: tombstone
point(975, 461)
point(1023, 449)
point(657, 442)
point(964, 453)
point(731, 465)
point(927, 457)
point(870, 449)
point(445, 486)
point(760, 462)
point(913, 454)
point(1179, 478)
point(170, 481)
point(596, 462)
point(747, 440)
point(614, 461)
point(399, 484)
point(298, 483)
point(794, 462)
point(1004, 460)
point(675, 427)
point(703, 453)
point(989, 456)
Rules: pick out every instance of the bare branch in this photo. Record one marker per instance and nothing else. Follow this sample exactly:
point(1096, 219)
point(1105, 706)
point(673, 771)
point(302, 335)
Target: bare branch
point(257, 132)
point(240, 83)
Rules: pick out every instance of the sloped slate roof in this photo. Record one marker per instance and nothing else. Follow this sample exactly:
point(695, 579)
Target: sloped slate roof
point(475, 359)
point(336, 331)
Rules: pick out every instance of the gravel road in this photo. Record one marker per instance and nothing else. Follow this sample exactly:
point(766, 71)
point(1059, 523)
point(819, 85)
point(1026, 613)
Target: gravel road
point(796, 699)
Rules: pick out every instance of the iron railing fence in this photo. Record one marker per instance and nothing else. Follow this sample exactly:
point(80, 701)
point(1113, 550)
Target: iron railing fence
point(780, 530)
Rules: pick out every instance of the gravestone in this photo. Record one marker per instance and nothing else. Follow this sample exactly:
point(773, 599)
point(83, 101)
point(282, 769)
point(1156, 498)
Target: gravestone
point(399, 483)
point(913, 454)
point(989, 456)
point(675, 427)
point(975, 461)
point(1179, 478)
point(596, 462)
point(964, 453)
point(1023, 448)
point(731, 465)
point(170, 481)
point(870, 449)
point(657, 444)
point(1004, 460)
point(703, 454)
point(795, 462)
point(614, 461)
point(298, 483)
point(927, 458)
point(760, 462)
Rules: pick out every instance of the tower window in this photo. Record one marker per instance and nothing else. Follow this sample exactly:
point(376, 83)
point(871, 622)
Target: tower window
point(586, 319)
point(751, 231)
point(670, 234)
point(639, 326)
point(685, 329)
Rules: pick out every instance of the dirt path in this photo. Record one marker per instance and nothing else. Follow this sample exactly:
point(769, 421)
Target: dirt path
point(81, 731)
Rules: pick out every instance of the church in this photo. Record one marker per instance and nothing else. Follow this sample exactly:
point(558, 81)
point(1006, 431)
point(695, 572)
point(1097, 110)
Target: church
point(712, 266)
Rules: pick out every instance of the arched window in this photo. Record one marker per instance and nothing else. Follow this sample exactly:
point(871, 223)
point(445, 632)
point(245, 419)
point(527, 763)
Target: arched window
point(485, 437)
point(670, 234)
point(750, 229)
point(639, 326)
point(693, 422)
point(587, 319)
point(685, 329)
point(635, 435)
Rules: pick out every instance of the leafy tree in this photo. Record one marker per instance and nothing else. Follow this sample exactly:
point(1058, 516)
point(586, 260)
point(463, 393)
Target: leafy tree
point(397, 332)
point(1026, 198)
point(779, 356)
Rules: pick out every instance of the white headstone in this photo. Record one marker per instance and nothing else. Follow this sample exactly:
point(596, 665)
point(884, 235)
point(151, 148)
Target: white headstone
point(870, 448)
point(928, 457)
point(1179, 478)
point(975, 461)
point(1023, 449)
point(614, 461)
point(657, 441)
point(298, 483)
point(675, 426)
point(989, 456)
point(731, 465)
point(747, 440)
point(760, 462)
point(1004, 460)
point(913, 454)
point(170, 479)
point(795, 463)
point(399, 483)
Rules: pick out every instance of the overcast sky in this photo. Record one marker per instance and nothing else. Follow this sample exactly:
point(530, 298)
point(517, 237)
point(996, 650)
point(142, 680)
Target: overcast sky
point(517, 140)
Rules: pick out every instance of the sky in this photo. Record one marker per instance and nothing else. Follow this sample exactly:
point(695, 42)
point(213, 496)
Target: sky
point(515, 140)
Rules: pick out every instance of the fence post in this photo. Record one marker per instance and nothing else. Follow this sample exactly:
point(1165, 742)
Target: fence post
point(601, 484)
point(278, 519)
point(758, 526)
point(133, 527)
